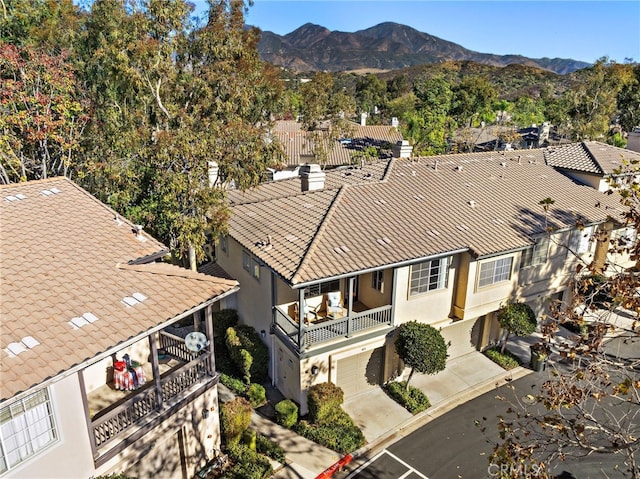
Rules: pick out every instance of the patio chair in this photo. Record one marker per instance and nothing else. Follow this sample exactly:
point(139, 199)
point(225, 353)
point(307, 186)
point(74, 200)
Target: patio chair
point(331, 305)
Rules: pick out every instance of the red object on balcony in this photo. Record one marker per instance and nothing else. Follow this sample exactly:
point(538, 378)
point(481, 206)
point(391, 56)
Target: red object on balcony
point(119, 365)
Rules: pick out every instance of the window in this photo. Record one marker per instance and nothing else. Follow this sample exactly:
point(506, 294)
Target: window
point(223, 243)
point(246, 261)
point(537, 254)
point(492, 272)
point(251, 264)
point(581, 240)
point(377, 280)
point(26, 427)
point(428, 276)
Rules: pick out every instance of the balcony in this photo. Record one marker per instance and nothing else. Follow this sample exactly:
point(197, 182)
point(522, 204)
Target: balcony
point(324, 330)
point(118, 418)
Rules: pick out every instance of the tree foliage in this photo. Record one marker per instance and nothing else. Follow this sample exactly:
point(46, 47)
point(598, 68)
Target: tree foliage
point(421, 347)
point(516, 318)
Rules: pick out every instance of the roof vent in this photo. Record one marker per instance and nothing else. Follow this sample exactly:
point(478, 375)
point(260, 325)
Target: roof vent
point(459, 168)
point(138, 230)
point(472, 203)
point(28, 342)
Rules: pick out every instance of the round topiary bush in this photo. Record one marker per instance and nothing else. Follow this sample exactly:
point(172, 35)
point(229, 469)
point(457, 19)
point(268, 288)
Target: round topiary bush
point(517, 318)
point(286, 413)
point(421, 347)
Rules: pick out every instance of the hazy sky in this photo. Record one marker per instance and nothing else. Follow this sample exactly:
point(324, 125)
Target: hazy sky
point(581, 30)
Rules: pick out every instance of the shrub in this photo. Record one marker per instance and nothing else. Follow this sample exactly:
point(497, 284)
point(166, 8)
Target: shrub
point(323, 399)
point(271, 449)
point(234, 384)
point(339, 433)
point(507, 360)
point(256, 395)
point(249, 439)
point(235, 417)
point(286, 413)
point(223, 320)
point(249, 354)
point(248, 464)
point(412, 399)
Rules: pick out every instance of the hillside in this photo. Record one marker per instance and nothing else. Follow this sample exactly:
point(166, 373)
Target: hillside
point(387, 46)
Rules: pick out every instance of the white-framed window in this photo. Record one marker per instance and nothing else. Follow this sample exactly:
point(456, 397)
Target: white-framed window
point(536, 254)
point(26, 427)
point(492, 272)
point(581, 240)
point(429, 276)
point(377, 280)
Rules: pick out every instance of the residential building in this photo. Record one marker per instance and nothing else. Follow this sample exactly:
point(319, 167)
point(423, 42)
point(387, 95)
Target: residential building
point(442, 240)
point(92, 381)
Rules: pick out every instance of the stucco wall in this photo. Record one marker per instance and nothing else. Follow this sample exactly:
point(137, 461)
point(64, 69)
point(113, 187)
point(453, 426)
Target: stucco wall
point(70, 456)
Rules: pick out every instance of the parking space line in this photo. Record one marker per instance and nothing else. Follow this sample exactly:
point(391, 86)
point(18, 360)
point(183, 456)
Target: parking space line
point(411, 470)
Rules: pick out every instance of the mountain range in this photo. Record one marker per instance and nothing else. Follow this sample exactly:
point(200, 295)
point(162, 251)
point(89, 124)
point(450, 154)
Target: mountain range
point(387, 46)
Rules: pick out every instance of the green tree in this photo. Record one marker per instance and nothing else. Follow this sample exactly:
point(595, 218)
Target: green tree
point(42, 114)
point(370, 93)
point(629, 102)
point(516, 318)
point(473, 98)
point(421, 347)
point(325, 110)
point(176, 99)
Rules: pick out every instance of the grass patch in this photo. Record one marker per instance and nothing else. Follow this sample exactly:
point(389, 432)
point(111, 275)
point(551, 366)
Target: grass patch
point(507, 360)
point(412, 399)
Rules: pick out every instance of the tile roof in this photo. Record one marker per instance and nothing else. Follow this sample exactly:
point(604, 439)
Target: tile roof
point(64, 254)
point(418, 209)
point(294, 141)
point(589, 157)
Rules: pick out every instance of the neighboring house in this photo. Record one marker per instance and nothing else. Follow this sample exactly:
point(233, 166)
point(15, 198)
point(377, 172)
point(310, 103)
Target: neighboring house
point(443, 240)
point(591, 163)
point(299, 150)
point(83, 289)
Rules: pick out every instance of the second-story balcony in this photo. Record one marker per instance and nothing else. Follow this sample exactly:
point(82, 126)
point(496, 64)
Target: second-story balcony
point(319, 327)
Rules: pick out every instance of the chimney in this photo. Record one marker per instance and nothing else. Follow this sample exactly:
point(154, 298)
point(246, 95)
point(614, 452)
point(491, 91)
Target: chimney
point(363, 118)
point(395, 122)
point(138, 231)
point(312, 177)
point(402, 149)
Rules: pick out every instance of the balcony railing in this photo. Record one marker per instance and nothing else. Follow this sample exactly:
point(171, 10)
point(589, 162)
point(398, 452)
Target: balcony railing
point(332, 329)
point(140, 408)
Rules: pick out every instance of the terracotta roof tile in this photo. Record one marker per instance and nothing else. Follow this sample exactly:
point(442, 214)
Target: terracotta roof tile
point(589, 157)
point(63, 255)
point(294, 141)
point(484, 202)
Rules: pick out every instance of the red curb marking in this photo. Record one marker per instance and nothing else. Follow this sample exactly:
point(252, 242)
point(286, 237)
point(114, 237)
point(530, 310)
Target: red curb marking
point(331, 470)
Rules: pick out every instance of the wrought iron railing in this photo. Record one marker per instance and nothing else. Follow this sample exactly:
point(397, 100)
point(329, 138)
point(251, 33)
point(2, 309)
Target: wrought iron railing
point(331, 329)
point(142, 405)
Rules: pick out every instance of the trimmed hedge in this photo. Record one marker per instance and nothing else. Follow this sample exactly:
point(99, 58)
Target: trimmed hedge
point(256, 394)
point(413, 399)
point(249, 354)
point(234, 384)
point(235, 417)
point(286, 413)
point(271, 449)
point(507, 360)
point(338, 432)
point(322, 400)
point(247, 464)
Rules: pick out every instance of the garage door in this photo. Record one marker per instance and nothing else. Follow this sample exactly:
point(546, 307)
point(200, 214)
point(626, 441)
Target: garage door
point(360, 372)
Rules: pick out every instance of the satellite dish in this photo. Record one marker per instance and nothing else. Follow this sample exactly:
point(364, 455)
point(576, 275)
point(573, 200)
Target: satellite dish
point(195, 341)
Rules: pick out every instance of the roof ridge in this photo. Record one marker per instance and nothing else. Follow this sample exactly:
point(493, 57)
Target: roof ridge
point(168, 269)
point(387, 172)
point(40, 180)
point(595, 161)
point(312, 246)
